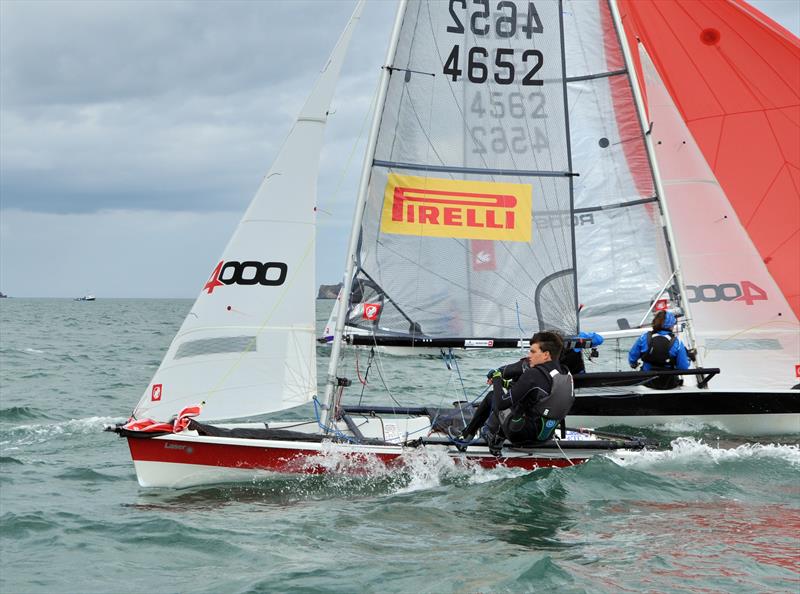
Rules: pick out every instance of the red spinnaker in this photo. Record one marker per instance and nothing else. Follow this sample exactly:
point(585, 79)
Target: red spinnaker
point(735, 76)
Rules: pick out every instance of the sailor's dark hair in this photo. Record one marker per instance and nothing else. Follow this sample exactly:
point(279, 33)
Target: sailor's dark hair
point(549, 342)
point(662, 321)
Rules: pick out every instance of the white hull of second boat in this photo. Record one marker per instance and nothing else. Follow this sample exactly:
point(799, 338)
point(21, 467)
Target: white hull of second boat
point(745, 414)
point(740, 424)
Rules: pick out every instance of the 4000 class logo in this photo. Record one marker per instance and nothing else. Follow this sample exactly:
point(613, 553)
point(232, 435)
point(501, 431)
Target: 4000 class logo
point(434, 207)
point(251, 272)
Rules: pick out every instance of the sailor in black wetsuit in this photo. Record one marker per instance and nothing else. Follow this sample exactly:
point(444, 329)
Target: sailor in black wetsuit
point(541, 395)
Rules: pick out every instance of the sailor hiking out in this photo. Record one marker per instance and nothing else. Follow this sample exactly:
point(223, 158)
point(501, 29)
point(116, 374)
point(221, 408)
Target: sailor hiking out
point(660, 349)
point(540, 396)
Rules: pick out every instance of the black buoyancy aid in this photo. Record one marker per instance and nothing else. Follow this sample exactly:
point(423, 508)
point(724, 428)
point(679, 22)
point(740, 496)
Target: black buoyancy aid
point(559, 401)
point(658, 348)
point(548, 410)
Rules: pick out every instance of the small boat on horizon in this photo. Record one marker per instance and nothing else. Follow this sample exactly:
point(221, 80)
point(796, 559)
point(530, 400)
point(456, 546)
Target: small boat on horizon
point(87, 297)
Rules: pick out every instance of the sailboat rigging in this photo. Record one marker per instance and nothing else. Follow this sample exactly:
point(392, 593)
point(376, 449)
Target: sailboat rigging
point(495, 127)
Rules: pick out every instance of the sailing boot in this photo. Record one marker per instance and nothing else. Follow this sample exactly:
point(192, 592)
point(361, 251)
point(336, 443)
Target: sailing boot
point(494, 441)
point(460, 439)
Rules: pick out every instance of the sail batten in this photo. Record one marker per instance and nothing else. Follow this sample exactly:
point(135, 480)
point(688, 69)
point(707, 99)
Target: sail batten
point(475, 170)
point(571, 79)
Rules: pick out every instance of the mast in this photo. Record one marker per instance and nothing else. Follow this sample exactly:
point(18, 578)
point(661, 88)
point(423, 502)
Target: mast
point(637, 95)
point(350, 262)
point(569, 168)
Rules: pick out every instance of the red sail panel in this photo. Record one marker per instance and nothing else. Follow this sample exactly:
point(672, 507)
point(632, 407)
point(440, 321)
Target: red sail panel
point(625, 109)
point(735, 76)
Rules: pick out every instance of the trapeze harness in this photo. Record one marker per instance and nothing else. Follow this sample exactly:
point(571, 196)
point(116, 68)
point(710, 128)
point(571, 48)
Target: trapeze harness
point(657, 354)
point(521, 422)
point(657, 351)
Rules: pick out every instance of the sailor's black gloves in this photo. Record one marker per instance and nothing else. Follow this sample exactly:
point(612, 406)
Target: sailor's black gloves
point(498, 375)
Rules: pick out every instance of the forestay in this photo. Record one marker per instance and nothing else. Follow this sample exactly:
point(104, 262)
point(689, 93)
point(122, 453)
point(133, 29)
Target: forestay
point(247, 346)
point(505, 123)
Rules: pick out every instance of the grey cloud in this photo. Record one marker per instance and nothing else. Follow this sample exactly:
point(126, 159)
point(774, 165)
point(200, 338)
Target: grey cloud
point(163, 105)
point(89, 52)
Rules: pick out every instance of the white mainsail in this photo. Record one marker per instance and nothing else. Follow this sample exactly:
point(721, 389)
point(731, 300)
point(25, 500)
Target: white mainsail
point(247, 346)
point(743, 323)
point(503, 127)
point(447, 231)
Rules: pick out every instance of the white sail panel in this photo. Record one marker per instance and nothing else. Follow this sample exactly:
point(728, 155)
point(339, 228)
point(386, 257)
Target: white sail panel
point(742, 321)
point(248, 347)
point(621, 248)
point(529, 93)
point(474, 122)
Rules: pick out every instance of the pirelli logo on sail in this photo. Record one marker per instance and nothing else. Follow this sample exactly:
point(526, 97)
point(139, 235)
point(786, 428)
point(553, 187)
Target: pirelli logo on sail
point(433, 207)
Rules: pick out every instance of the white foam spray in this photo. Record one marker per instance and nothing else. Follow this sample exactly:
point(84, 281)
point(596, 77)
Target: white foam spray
point(694, 450)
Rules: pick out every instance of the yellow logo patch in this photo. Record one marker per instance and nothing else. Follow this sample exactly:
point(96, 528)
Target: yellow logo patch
point(432, 207)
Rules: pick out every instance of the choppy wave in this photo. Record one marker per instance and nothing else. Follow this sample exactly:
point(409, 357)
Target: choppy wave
point(11, 352)
point(20, 525)
point(84, 474)
point(709, 512)
point(42, 432)
point(21, 413)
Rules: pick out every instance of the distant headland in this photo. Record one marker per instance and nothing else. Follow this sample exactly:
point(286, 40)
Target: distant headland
point(329, 291)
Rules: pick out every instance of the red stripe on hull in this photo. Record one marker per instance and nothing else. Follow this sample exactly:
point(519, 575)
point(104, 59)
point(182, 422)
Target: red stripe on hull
point(291, 460)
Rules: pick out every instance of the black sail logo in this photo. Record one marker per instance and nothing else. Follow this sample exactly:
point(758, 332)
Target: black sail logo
point(250, 272)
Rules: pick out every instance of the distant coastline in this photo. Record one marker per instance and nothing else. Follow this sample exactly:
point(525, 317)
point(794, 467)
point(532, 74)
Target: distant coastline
point(329, 291)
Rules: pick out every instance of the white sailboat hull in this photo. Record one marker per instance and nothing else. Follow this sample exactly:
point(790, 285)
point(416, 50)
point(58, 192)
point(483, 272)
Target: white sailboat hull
point(180, 476)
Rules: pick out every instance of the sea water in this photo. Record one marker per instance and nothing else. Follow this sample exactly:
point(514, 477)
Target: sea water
point(709, 512)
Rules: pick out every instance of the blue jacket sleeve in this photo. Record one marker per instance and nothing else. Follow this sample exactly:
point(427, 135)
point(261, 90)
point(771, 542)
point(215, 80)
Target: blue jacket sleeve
point(637, 349)
point(596, 339)
point(680, 354)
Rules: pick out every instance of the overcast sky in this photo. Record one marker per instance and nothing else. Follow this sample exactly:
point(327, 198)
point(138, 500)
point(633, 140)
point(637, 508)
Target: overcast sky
point(134, 134)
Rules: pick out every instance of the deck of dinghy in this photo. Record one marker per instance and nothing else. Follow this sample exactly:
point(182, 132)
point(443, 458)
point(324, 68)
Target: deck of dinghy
point(592, 440)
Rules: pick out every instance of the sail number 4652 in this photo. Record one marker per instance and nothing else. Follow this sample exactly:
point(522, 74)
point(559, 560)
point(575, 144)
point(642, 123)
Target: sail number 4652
point(746, 291)
point(504, 74)
point(478, 58)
